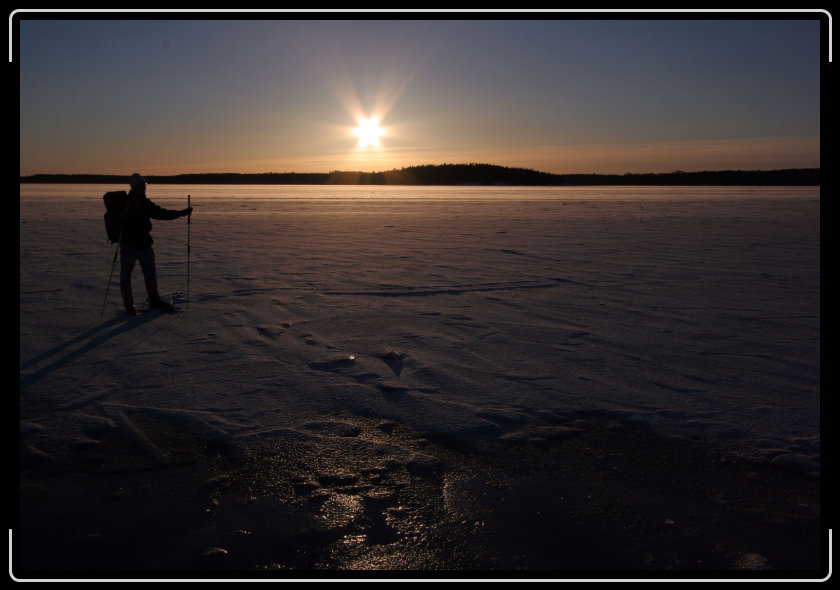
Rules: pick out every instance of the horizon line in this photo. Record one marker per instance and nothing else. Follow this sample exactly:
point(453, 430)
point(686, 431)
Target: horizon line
point(520, 168)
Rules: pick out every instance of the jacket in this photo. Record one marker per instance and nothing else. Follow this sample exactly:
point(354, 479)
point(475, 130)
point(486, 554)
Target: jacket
point(138, 224)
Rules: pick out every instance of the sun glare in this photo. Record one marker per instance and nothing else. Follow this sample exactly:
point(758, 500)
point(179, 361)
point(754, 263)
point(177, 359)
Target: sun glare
point(368, 132)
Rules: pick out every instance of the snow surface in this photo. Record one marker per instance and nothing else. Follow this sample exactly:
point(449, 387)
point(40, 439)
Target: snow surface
point(492, 313)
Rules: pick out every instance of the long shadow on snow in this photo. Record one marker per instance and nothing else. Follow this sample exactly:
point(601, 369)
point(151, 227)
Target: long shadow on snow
point(64, 353)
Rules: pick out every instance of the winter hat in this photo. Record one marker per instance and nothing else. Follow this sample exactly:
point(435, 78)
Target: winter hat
point(136, 180)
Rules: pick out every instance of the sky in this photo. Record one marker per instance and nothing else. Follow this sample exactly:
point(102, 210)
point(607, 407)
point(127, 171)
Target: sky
point(555, 92)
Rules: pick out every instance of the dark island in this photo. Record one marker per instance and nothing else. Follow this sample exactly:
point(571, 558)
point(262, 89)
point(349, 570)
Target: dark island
point(464, 174)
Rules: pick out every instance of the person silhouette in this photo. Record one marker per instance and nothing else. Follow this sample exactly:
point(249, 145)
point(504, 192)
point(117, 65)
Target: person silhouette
point(136, 244)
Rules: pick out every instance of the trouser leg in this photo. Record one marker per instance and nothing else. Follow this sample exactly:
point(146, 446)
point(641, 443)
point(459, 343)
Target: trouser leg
point(128, 256)
point(147, 264)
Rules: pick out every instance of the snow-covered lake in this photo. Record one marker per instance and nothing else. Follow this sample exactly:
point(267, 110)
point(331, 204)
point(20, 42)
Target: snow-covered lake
point(493, 313)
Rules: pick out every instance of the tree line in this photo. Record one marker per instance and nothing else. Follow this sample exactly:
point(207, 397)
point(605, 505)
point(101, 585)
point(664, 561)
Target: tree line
point(464, 174)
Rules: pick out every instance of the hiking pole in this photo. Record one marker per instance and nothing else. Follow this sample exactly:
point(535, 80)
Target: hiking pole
point(110, 276)
point(189, 218)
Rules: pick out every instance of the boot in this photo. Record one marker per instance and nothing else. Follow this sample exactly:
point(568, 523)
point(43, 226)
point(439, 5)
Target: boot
point(163, 306)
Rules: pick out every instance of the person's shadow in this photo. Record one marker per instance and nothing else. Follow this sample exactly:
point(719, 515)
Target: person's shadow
point(62, 354)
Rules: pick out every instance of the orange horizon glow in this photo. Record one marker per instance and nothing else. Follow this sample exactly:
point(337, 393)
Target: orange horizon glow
point(625, 158)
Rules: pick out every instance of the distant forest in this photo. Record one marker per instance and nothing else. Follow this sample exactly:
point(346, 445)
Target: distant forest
point(465, 174)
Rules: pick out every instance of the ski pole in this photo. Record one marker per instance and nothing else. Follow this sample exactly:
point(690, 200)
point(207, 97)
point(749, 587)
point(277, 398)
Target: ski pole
point(189, 219)
point(110, 276)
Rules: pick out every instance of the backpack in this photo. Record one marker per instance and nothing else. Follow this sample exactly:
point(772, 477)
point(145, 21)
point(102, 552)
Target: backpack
point(116, 212)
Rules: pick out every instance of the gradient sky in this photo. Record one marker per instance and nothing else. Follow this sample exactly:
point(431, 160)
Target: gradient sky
point(556, 95)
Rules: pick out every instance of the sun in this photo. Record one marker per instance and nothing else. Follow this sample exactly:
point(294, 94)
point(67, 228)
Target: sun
point(368, 132)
